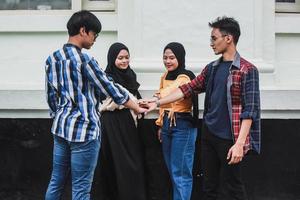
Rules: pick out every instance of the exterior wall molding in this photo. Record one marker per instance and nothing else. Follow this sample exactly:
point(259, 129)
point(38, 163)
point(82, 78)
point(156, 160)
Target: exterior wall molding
point(47, 21)
point(32, 104)
point(150, 66)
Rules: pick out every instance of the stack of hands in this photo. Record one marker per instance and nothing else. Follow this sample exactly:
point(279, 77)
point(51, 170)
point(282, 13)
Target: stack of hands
point(147, 105)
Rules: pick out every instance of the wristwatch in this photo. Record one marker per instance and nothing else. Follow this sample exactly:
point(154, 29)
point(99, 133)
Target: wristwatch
point(157, 103)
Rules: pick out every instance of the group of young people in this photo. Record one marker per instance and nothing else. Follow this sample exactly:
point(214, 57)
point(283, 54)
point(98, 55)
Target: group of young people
point(89, 105)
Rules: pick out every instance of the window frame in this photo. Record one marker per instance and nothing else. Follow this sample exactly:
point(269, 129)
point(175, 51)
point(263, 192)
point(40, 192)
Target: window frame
point(92, 5)
point(109, 5)
point(49, 20)
point(75, 5)
point(287, 7)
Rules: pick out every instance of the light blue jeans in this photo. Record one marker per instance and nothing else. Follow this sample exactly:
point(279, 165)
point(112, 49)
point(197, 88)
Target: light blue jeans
point(78, 157)
point(178, 144)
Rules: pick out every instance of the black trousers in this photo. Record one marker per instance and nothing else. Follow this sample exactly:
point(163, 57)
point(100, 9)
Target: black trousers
point(221, 181)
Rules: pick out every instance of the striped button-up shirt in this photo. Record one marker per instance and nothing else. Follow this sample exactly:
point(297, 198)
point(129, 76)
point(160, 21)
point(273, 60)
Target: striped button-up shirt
point(243, 98)
point(74, 86)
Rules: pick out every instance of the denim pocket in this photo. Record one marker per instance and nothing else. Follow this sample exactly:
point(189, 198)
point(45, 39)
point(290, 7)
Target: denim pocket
point(184, 123)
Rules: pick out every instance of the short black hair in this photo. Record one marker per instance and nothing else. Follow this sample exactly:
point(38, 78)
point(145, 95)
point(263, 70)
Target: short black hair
point(227, 25)
point(84, 19)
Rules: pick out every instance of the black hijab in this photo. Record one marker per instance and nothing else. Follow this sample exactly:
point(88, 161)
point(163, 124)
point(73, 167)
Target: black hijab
point(179, 53)
point(125, 77)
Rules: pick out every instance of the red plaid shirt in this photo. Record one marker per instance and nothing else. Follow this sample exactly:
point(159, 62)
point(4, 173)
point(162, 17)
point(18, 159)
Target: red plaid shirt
point(243, 98)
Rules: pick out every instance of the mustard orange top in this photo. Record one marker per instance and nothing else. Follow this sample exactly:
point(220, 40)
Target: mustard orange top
point(182, 105)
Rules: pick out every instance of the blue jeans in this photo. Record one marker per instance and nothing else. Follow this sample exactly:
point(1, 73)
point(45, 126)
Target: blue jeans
point(178, 144)
point(78, 157)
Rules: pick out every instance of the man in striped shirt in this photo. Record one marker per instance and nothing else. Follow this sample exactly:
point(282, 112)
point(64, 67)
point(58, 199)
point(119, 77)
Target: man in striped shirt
point(74, 86)
point(231, 118)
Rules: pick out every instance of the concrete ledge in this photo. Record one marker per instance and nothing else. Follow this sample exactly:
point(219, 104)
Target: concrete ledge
point(276, 104)
point(196, 66)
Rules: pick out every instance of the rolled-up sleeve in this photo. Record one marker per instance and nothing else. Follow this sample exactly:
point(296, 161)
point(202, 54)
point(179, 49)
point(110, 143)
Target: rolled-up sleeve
point(98, 77)
point(196, 86)
point(250, 95)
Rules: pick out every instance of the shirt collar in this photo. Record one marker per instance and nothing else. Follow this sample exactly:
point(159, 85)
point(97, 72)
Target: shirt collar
point(236, 61)
point(72, 45)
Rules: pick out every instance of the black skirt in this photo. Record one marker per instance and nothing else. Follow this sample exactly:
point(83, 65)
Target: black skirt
point(122, 174)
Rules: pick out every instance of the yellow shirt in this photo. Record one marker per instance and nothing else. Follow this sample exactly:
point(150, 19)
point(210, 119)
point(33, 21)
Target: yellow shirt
point(182, 105)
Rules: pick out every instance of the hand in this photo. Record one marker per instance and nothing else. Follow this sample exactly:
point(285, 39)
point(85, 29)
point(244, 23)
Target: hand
point(153, 99)
point(159, 135)
point(146, 100)
point(151, 106)
point(235, 154)
point(140, 110)
point(143, 103)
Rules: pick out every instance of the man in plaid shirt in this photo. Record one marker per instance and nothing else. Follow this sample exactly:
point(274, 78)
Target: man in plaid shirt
point(231, 119)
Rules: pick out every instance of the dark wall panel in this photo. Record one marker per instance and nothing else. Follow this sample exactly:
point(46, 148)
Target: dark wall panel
point(26, 156)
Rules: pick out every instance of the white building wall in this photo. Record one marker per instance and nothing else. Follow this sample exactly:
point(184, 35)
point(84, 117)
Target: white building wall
point(268, 40)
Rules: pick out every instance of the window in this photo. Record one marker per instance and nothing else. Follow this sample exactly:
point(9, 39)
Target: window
point(35, 4)
point(287, 6)
point(51, 15)
point(93, 5)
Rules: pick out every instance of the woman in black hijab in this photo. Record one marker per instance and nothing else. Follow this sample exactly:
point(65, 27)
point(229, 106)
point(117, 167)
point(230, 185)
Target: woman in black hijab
point(177, 122)
point(121, 161)
point(121, 74)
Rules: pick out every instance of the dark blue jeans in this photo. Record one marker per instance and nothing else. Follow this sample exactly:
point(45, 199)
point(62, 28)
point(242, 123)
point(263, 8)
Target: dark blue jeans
point(78, 157)
point(178, 143)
